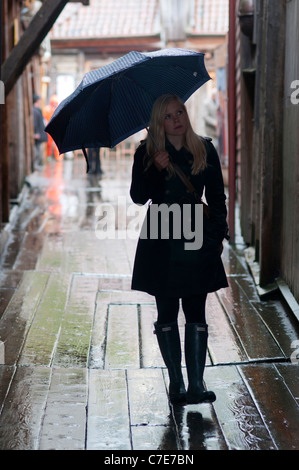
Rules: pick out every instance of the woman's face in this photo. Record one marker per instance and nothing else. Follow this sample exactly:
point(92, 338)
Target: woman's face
point(176, 120)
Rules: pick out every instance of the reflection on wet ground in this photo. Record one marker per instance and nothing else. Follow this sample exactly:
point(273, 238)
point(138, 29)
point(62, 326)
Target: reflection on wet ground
point(79, 364)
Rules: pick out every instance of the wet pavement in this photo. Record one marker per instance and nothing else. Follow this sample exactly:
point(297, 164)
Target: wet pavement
point(79, 364)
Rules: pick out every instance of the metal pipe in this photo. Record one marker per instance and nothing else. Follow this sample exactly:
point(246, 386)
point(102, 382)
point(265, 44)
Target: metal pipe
point(0, 37)
point(232, 118)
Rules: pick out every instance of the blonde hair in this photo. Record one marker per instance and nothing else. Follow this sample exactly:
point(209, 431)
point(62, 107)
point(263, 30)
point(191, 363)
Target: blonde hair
point(156, 138)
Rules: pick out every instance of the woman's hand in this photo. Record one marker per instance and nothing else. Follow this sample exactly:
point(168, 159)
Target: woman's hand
point(161, 160)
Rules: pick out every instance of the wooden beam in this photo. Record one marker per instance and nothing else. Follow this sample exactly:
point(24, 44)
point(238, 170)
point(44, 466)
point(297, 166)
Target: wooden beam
point(103, 43)
point(29, 42)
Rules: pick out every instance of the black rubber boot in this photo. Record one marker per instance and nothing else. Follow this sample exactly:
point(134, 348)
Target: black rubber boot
point(196, 340)
point(170, 346)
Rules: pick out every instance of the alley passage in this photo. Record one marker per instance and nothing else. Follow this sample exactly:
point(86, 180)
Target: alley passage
point(80, 367)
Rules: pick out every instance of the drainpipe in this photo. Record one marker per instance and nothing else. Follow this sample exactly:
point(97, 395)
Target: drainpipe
point(232, 118)
point(0, 37)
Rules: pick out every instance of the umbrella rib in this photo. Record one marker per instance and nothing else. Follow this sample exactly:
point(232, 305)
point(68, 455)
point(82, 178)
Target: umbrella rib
point(88, 99)
point(145, 90)
point(139, 115)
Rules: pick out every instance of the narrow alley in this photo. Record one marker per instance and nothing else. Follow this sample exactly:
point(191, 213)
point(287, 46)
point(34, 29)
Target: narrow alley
point(80, 367)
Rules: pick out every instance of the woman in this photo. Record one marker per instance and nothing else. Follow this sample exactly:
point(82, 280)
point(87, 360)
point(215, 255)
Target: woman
point(163, 266)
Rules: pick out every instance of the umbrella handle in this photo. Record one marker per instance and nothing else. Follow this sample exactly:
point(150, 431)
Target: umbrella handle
point(86, 158)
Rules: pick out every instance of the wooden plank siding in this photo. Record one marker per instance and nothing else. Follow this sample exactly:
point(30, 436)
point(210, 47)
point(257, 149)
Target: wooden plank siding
point(290, 174)
point(273, 58)
point(20, 72)
point(267, 139)
point(16, 116)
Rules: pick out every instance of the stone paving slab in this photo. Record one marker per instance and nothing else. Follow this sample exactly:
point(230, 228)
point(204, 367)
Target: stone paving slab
point(80, 368)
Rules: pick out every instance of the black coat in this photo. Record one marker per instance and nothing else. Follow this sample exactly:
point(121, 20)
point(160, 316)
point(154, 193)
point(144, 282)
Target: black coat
point(162, 265)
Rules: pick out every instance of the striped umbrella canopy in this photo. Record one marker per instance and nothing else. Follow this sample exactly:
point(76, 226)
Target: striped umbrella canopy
point(115, 101)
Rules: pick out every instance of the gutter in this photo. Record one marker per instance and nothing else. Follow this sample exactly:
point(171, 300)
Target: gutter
point(232, 119)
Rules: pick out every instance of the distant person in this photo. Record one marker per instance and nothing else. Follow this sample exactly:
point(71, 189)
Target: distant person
point(40, 136)
point(94, 160)
point(210, 117)
point(48, 112)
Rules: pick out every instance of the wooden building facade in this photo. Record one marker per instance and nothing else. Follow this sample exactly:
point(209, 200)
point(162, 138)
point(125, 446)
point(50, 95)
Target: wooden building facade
point(16, 113)
point(266, 136)
point(24, 26)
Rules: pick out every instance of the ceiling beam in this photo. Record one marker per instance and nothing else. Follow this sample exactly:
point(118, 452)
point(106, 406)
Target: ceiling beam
point(29, 42)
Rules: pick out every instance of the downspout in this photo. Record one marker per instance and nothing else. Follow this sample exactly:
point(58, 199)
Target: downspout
point(232, 119)
point(0, 37)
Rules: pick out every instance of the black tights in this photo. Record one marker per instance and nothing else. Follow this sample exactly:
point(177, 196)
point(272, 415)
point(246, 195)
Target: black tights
point(193, 308)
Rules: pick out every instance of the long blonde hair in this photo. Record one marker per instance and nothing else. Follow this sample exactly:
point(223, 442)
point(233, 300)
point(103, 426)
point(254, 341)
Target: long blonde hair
point(156, 138)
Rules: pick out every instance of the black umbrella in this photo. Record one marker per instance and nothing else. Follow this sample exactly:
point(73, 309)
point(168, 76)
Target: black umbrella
point(115, 101)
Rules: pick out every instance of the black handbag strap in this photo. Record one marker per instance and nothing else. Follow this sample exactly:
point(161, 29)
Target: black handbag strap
point(191, 188)
point(186, 182)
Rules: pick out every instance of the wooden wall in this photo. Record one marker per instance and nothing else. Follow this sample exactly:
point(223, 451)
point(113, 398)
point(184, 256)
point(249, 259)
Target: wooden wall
point(290, 174)
point(17, 146)
point(267, 140)
point(268, 134)
point(259, 140)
